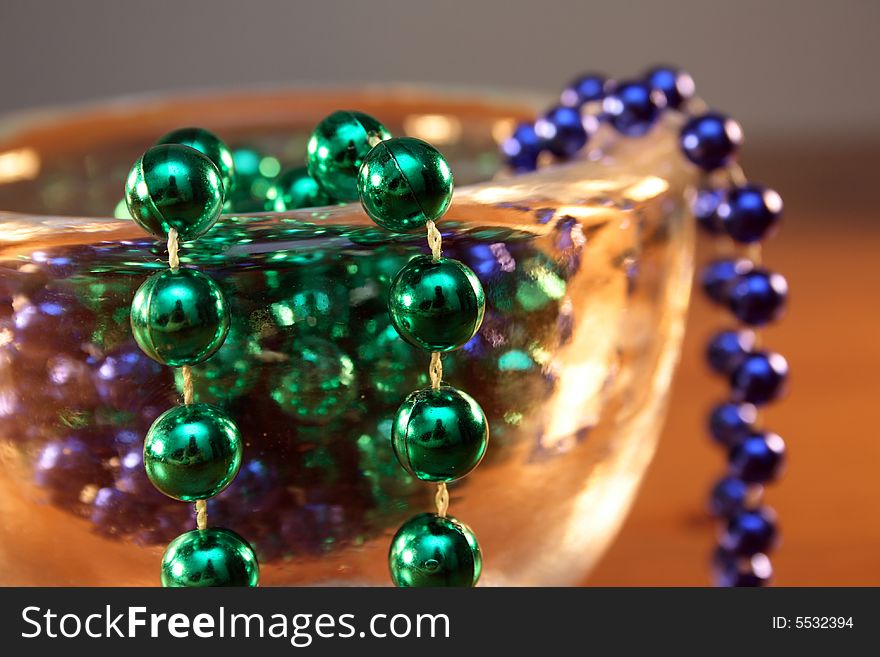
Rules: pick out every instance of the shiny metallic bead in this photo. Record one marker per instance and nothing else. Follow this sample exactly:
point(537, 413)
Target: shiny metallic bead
point(750, 532)
point(719, 275)
point(758, 458)
point(212, 147)
point(760, 378)
point(179, 317)
point(730, 423)
point(403, 183)
point(732, 570)
point(439, 435)
point(522, 149)
point(174, 186)
point(711, 140)
point(209, 557)
point(727, 349)
point(587, 88)
point(337, 148)
point(192, 452)
point(758, 297)
point(565, 130)
point(295, 189)
point(437, 306)
point(750, 213)
point(430, 551)
point(633, 108)
point(678, 86)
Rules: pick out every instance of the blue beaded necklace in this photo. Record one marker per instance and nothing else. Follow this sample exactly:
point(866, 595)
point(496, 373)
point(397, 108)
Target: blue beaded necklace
point(738, 215)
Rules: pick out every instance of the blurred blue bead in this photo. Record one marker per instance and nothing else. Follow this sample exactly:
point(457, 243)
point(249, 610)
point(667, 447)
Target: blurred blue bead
point(758, 297)
point(730, 423)
point(587, 88)
point(522, 148)
point(677, 86)
point(115, 512)
point(750, 212)
point(760, 378)
point(65, 467)
point(565, 131)
point(758, 458)
point(633, 108)
point(732, 570)
point(719, 275)
point(727, 350)
point(750, 532)
point(729, 497)
point(711, 141)
point(705, 209)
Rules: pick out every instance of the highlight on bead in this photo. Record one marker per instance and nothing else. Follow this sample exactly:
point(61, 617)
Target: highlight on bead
point(295, 189)
point(174, 186)
point(192, 452)
point(210, 557)
point(404, 183)
point(211, 146)
point(337, 148)
point(432, 551)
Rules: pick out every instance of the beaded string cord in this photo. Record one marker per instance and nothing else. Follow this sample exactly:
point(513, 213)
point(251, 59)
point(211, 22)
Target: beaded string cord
point(180, 317)
point(739, 215)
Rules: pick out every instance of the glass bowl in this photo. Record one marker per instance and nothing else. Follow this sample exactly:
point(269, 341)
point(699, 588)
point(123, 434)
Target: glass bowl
point(586, 266)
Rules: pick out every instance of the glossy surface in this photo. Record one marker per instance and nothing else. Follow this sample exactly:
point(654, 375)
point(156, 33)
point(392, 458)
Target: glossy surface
point(212, 147)
point(565, 130)
point(212, 557)
point(719, 275)
point(750, 213)
point(633, 108)
point(758, 458)
point(295, 189)
point(760, 378)
point(337, 148)
point(437, 306)
point(729, 497)
point(727, 349)
point(705, 209)
point(173, 186)
point(587, 88)
point(192, 452)
point(711, 140)
point(439, 435)
point(522, 148)
point(750, 532)
point(732, 570)
point(179, 317)
point(430, 551)
point(730, 423)
point(677, 86)
point(758, 297)
point(404, 182)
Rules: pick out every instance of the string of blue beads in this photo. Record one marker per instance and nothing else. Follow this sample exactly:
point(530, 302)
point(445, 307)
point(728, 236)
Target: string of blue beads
point(439, 434)
point(743, 213)
point(180, 317)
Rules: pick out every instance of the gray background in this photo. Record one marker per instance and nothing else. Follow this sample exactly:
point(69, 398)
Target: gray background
point(785, 68)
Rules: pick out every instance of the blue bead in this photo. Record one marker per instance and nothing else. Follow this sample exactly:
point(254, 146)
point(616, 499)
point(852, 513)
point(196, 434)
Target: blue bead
point(760, 378)
point(758, 458)
point(729, 497)
point(633, 108)
point(522, 148)
point(750, 532)
point(750, 212)
point(677, 86)
point(565, 131)
point(719, 275)
point(731, 570)
point(711, 141)
point(758, 297)
point(705, 207)
point(727, 350)
point(730, 423)
point(587, 88)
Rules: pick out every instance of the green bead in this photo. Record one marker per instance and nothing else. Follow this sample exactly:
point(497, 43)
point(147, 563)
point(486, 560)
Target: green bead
point(337, 148)
point(210, 145)
point(430, 551)
point(403, 183)
point(174, 186)
point(295, 189)
point(439, 435)
point(179, 317)
point(192, 452)
point(437, 306)
point(209, 557)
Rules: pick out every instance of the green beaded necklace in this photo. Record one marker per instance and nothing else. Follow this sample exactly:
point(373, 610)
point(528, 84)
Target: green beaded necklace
point(180, 317)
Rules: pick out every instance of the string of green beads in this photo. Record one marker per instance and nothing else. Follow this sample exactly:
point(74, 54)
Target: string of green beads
point(210, 557)
point(209, 145)
point(403, 183)
point(337, 148)
point(295, 189)
point(437, 306)
point(439, 435)
point(179, 317)
point(192, 452)
point(430, 551)
point(174, 186)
